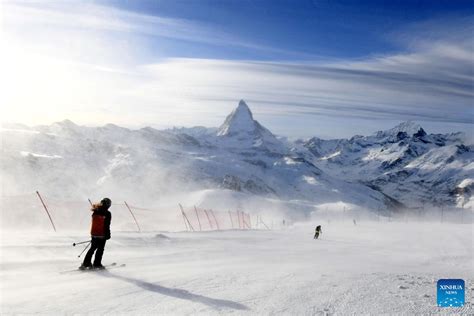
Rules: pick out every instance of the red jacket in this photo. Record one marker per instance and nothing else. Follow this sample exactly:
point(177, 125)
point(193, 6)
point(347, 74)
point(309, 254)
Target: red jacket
point(100, 226)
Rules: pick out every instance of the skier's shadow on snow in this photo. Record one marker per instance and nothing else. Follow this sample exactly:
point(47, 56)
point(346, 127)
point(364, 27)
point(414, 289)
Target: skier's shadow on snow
point(178, 293)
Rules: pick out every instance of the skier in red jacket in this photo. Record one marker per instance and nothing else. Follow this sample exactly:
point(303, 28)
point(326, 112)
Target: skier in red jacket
point(100, 233)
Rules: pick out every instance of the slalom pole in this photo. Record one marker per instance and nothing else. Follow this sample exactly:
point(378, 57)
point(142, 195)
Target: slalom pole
point(139, 230)
point(84, 249)
point(215, 220)
point(46, 209)
point(199, 221)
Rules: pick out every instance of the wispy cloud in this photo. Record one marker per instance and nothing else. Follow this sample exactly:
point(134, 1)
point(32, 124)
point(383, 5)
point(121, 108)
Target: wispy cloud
point(85, 62)
point(432, 84)
point(89, 17)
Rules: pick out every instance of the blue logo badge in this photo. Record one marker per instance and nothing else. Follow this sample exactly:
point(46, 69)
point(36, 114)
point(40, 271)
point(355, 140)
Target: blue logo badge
point(450, 293)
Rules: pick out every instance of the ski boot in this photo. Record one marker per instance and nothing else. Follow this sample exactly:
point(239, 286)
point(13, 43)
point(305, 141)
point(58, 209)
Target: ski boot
point(98, 267)
point(85, 267)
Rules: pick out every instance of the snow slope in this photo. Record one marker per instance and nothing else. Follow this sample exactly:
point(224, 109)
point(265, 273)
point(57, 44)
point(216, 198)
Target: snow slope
point(373, 268)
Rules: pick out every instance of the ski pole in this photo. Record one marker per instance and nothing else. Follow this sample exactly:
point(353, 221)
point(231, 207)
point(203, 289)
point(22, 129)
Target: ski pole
point(78, 243)
point(84, 249)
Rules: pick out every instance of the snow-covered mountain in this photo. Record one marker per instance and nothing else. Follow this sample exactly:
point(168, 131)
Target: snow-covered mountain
point(403, 162)
point(373, 172)
point(241, 131)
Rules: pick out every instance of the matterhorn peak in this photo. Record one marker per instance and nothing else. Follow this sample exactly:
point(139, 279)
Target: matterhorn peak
point(243, 107)
point(240, 130)
point(240, 120)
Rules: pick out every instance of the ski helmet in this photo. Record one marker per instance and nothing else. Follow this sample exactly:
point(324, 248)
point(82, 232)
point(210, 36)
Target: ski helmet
point(106, 202)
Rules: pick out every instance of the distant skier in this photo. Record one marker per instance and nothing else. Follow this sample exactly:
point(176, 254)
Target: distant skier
point(317, 232)
point(100, 233)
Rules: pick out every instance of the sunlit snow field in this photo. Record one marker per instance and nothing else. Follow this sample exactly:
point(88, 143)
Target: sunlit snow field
point(368, 268)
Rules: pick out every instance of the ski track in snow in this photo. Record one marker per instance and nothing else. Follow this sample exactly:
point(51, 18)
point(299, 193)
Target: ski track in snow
point(372, 268)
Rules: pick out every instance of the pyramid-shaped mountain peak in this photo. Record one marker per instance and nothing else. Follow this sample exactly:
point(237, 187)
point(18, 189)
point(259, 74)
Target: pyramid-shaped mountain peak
point(240, 120)
point(240, 130)
point(243, 107)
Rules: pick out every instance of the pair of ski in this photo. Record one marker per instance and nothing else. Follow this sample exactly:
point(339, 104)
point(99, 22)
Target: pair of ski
point(113, 265)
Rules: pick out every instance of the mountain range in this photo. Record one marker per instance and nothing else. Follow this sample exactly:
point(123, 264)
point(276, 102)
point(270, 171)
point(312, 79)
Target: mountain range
point(401, 167)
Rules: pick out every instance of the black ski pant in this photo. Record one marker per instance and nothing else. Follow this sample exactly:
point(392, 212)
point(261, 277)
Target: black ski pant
point(96, 244)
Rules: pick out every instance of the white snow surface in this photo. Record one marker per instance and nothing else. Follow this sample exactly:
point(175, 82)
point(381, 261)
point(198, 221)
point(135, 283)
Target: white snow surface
point(372, 268)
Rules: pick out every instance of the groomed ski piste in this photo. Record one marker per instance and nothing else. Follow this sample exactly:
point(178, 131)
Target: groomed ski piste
point(373, 267)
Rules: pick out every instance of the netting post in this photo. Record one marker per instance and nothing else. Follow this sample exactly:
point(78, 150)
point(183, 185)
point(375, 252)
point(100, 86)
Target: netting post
point(250, 221)
point(231, 221)
point(261, 221)
point(244, 220)
point(195, 209)
point(187, 219)
point(184, 219)
point(215, 220)
point(138, 226)
point(208, 219)
point(247, 221)
point(46, 209)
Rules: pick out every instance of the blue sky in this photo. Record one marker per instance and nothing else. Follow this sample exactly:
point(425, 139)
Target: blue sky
point(306, 68)
point(297, 30)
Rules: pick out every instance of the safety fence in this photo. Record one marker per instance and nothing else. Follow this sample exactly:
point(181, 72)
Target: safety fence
point(201, 219)
point(39, 210)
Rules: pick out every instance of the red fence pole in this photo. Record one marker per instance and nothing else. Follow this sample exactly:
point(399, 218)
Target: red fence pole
point(184, 219)
point(184, 215)
point(215, 220)
point(46, 209)
point(138, 226)
point(209, 220)
point(261, 221)
point(195, 209)
point(231, 221)
point(244, 220)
